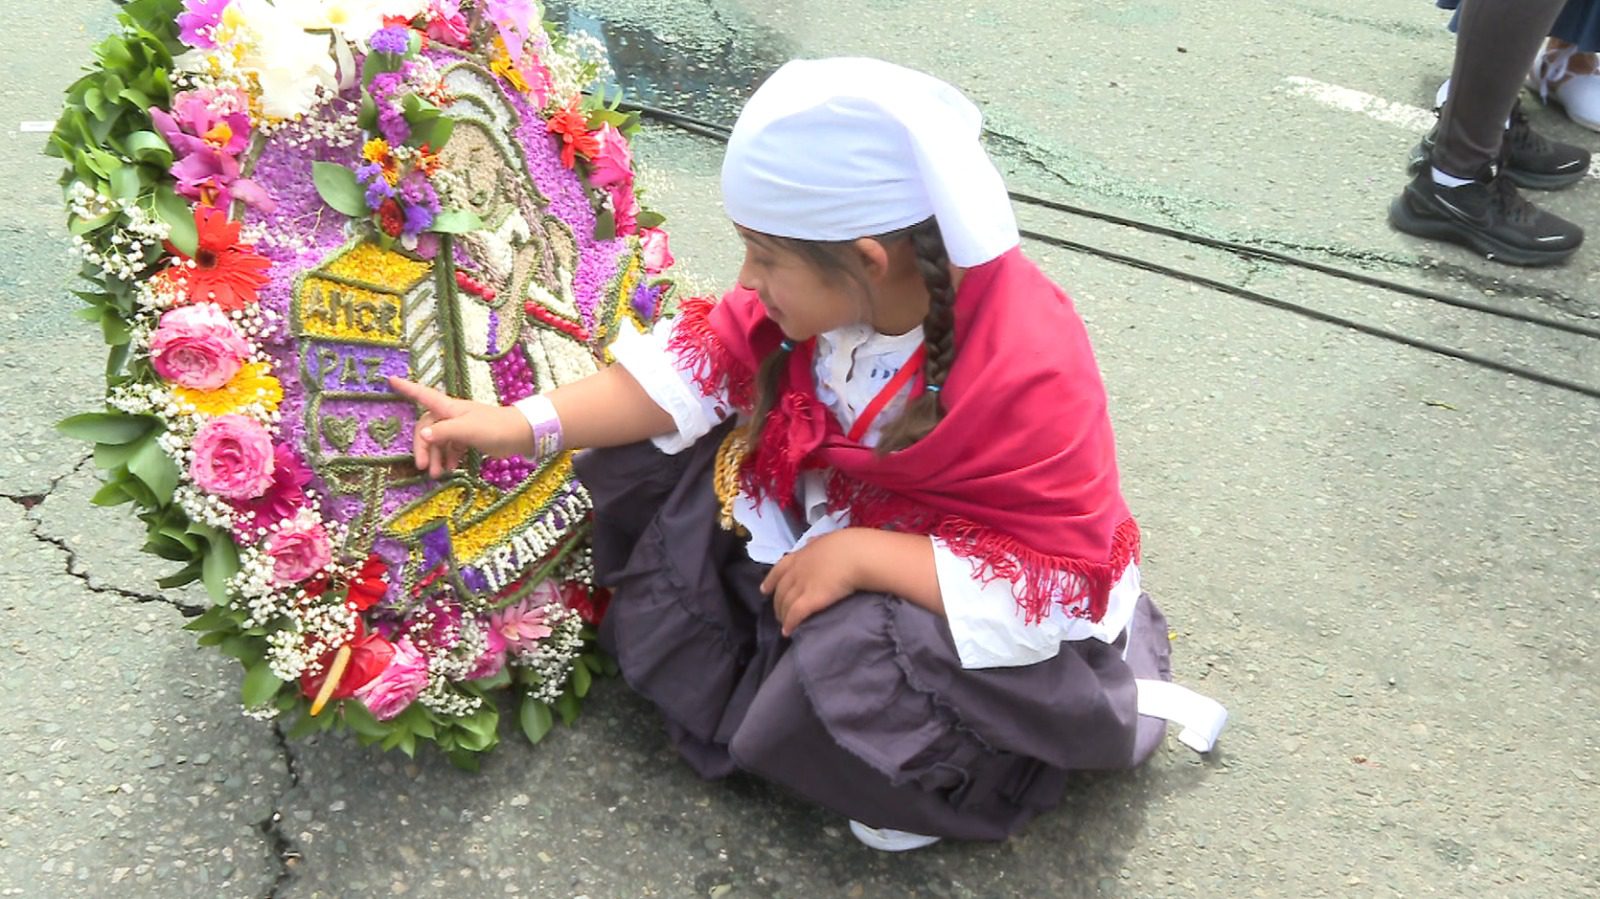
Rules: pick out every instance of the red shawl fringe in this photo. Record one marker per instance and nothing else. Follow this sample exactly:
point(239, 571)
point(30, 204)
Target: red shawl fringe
point(1082, 588)
point(704, 356)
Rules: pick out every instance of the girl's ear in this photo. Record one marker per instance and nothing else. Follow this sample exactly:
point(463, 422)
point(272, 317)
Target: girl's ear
point(874, 256)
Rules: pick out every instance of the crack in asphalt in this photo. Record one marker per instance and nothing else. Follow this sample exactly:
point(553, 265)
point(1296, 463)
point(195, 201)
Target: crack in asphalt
point(281, 847)
point(31, 501)
point(271, 828)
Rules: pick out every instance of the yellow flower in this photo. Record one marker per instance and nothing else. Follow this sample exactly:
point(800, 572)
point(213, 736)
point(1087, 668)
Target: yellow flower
point(254, 383)
point(376, 150)
point(501, 65)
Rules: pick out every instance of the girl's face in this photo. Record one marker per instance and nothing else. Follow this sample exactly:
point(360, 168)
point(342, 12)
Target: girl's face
point(802, 296)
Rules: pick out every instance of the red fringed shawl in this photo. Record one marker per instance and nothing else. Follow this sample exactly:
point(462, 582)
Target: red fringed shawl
point(1020, 475)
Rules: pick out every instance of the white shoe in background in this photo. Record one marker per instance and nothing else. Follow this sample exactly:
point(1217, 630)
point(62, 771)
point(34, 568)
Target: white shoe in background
point(1578, 95)
point(885, 840)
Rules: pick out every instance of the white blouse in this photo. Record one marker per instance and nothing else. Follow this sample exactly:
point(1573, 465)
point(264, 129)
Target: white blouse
point(852, 366)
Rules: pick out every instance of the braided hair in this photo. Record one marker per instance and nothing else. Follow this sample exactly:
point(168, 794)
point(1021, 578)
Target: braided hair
point(938, 335)
point(938, 330)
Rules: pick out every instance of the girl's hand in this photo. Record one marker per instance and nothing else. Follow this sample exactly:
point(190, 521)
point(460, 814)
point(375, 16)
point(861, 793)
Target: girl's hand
point(811, 579)
point(450, 426)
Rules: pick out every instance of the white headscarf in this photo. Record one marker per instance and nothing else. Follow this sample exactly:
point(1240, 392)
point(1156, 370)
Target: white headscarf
point(837, 149)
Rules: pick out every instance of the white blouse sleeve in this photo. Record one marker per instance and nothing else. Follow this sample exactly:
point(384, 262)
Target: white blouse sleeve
point(990, 630)
point(647, 357)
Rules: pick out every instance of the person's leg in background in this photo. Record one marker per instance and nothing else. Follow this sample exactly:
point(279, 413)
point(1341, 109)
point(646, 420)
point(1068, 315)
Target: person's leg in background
point(1497, 42)
point(1567, 73)
point(1463, 196)
point(1532, 160)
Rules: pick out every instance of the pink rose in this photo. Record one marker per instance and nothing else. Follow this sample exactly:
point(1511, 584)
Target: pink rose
point(612, 165)
point(233, 458)
point(198, 347)
point(284, 498)
point(298, 550)
point(398, 685)
point(657, 255)
point(447, 25)
point(625, 206)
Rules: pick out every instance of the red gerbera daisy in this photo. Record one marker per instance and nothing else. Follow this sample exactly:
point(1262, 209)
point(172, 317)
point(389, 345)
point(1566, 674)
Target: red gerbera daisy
point(222, 270)
point(573, 128)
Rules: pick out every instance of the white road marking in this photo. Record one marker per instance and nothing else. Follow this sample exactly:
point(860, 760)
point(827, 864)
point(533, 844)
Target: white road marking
point(1411, 118)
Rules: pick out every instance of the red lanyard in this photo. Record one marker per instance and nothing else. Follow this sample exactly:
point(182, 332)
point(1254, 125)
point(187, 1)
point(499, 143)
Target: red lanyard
point(900, 379)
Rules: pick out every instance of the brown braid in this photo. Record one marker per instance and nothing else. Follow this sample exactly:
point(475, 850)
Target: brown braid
point(938, 328)
point(767, 378)
point(938, 335)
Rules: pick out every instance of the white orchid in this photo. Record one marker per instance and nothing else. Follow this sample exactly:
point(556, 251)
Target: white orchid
point(353, 20)
point(291, 65)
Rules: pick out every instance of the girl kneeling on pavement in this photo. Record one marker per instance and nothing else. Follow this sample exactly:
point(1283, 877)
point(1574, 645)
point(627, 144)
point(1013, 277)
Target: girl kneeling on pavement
point(862, 517)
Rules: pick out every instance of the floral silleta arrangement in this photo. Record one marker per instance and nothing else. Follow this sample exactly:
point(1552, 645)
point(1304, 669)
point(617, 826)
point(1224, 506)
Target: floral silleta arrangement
point(279, 204)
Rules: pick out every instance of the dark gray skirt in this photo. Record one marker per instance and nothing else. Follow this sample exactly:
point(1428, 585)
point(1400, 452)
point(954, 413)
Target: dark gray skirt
point(866, 710)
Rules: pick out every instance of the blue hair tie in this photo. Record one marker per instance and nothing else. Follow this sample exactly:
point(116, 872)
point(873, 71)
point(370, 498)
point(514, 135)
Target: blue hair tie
point(933, 388)
point(787, 346)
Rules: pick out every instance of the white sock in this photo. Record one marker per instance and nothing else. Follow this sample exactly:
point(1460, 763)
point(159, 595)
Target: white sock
point(1445, 179)
point(1444, 94)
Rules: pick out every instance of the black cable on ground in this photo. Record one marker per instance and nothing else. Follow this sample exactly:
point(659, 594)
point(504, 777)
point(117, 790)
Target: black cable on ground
point(1333, 271)
point(1317, 315)
point(720, 132)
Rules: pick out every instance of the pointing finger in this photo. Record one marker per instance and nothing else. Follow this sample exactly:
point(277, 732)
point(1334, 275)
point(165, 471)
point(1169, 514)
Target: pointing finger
point(440, 404)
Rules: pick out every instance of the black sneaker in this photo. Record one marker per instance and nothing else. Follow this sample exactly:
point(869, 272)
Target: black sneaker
point(1488, 215)
point(1529, 158)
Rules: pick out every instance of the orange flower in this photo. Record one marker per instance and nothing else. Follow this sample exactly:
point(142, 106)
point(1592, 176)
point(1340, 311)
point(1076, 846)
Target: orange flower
point(222, 270)
point(428, 162)
point(573, 128)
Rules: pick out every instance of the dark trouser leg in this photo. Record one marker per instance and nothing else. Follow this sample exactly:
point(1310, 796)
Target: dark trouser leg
point(782, 740)
point(1495, 46)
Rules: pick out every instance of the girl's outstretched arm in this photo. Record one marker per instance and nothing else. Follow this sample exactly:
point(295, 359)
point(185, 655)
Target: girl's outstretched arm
point(608, 408)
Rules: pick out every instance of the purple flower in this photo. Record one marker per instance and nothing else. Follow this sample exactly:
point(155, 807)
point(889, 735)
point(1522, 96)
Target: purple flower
point(197, 24)
point(392, 41)
point(391, 121)
point(368, 172)
point(417, 190)
point(383, 86)
point(418, 220)
point(393, 126)
point(378, 191)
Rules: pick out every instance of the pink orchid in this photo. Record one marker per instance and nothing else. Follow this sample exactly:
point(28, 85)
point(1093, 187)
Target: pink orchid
point(212, 179)
point(522, 625)
point(197, 24)
point(518, 23)
point(493, 659)
point(207, 130)
point(219, 117)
